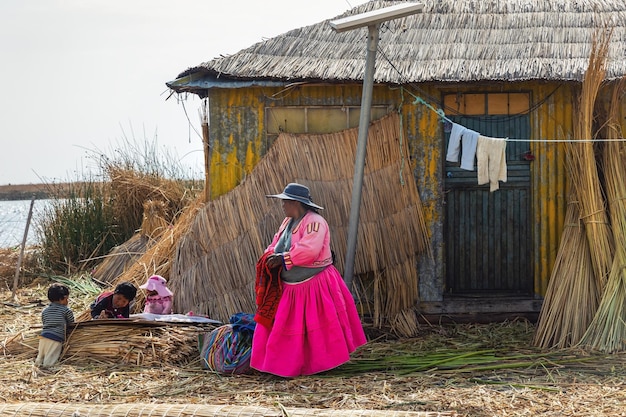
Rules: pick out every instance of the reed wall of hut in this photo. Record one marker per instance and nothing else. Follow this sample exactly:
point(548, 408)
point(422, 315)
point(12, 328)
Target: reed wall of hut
point(244, 122)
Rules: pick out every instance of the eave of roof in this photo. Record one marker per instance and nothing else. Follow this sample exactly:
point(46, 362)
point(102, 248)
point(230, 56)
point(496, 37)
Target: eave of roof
point(451, 41)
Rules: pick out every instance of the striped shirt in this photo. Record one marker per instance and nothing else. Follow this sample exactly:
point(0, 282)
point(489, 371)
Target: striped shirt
point(55, 319)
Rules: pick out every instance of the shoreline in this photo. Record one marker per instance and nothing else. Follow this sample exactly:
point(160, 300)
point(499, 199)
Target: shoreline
point(11, 192)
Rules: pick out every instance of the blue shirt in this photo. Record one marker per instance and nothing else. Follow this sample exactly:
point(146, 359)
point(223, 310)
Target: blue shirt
point(56, 318)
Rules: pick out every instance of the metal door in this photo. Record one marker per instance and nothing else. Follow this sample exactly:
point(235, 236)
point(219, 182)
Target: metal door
point(488, 234)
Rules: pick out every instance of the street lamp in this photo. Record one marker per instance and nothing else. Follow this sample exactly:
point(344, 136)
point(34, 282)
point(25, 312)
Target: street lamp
point(372, 20)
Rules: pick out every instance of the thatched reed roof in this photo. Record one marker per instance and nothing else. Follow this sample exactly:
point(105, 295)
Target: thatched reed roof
point(450, 41)
point(213, 269)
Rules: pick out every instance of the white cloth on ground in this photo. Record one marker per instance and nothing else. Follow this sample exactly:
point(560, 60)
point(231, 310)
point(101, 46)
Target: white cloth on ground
point(491, 161)
point(175, 318)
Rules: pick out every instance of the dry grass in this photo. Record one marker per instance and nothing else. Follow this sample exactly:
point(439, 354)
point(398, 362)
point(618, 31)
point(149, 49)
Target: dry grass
point(583, 169)
point(572, 296)
point(213, 272)
point(590, 384)
point(607, 332)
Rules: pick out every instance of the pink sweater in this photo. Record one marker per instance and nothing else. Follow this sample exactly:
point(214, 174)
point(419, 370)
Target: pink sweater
point(310, 242)
point(155, 304)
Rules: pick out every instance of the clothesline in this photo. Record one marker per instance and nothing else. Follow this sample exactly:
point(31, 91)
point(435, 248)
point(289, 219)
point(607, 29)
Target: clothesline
point(441, 113)
point(563, 140)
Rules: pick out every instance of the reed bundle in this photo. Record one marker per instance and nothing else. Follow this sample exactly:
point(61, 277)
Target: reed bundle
point(584, 171)
point(572, 296)
point(131, 189)
point(583, 261)
point(194, 410)
point(154, 224)
point(155, 217)
point(106, 342)
point(607, 331)
point(156, 259)
point(214, 264)
point(120, 257)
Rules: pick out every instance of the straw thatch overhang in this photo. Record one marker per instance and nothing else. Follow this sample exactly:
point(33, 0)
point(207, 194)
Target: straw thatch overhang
point(201, 81)
point(450, 41)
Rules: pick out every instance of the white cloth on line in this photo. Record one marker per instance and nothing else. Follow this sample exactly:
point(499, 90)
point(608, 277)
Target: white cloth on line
point(454, 143)
point(469, 141)
point(491, 161)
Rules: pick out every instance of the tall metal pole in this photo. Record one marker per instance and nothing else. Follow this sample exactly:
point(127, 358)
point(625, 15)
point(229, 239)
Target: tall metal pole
point(359, 165)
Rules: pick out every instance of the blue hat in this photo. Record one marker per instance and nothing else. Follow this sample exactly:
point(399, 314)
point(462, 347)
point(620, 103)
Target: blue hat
point(296, 192)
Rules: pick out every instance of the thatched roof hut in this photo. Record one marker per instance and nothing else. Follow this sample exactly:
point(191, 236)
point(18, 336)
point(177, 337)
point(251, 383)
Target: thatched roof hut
point(506, 69)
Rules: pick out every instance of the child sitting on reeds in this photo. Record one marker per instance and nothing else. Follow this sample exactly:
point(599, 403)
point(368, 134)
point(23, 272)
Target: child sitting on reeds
point(116, 304)
point(158, 296)
point(55, 318)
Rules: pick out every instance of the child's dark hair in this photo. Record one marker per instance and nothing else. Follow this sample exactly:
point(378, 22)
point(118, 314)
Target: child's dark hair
point(57, 292)
point(126, 289)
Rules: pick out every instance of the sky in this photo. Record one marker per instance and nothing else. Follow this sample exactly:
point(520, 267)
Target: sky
point(84, 77)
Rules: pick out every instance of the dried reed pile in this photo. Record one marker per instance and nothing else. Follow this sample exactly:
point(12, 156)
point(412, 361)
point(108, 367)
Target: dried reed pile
point(194, 410)
point(111, 342)
point(154, 221)
point(572, 295)
point(131, 189)
point(120, 257)
point(156, 259)
point(214, 265)
point(154, 224)
point(607, 331)
point(584, 174)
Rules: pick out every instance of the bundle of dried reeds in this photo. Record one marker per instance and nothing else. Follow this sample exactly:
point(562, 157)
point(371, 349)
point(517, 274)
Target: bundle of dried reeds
point(113, 342)
point(131, 189)
point(584, 171)
point(607, 332)
point(154, 218)
point(213, 268)
point(194, 410)
point(120, 257)
point(572, 295)
point(156, 259)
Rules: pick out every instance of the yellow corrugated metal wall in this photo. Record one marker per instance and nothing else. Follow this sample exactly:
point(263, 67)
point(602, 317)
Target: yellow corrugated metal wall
point(551, 120)
point(237, 131)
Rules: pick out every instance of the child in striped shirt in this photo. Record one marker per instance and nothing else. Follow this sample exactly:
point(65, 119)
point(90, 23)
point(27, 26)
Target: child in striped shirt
point(56, 317)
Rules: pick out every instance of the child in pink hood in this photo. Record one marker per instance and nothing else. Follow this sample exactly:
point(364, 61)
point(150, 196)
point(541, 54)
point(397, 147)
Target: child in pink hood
point(158, 297)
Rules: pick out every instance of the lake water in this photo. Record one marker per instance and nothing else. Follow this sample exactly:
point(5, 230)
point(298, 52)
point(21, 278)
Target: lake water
point(13, 217)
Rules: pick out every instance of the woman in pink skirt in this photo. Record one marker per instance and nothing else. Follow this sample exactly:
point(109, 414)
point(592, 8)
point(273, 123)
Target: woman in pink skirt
point(307, 321)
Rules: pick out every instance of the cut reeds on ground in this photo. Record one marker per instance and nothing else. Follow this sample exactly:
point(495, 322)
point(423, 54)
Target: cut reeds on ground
point(195, 410)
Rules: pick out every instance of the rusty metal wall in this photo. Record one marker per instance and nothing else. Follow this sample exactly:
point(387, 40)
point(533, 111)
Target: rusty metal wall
point(552, 119)
point(237, 132)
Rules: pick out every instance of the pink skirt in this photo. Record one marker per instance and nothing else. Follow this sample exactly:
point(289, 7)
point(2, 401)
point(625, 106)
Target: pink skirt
point(316, 327)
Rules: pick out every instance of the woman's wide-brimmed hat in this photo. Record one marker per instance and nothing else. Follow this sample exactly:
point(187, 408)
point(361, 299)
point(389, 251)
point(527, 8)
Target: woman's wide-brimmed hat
point(297, 192)
point(157, 283)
